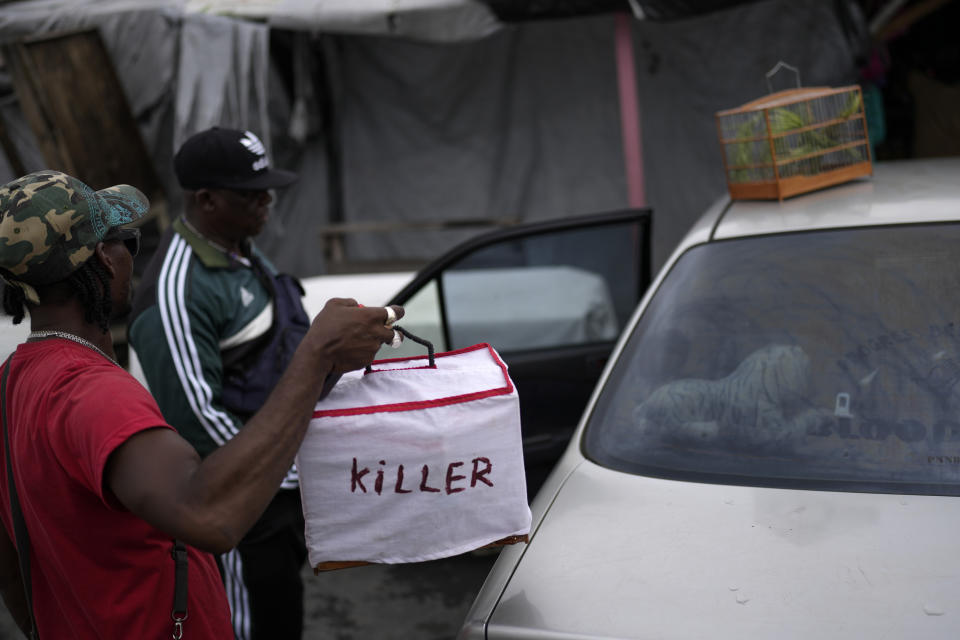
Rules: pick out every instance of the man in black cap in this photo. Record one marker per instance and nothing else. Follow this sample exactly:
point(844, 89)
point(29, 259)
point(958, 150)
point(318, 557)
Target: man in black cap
point(214, 325)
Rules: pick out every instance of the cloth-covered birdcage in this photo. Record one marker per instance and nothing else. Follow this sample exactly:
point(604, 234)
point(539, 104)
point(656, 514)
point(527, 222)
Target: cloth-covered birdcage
point(794, 141)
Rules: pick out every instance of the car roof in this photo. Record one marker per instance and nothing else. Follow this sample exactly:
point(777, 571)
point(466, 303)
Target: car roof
point(901, 192)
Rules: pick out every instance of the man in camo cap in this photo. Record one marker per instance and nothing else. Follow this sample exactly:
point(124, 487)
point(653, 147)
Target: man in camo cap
point(95, 485)
point(50, 224)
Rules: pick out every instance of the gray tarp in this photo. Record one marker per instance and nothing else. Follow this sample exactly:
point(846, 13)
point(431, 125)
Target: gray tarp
point(180, 71)
point(523, 123)
point(526, 124)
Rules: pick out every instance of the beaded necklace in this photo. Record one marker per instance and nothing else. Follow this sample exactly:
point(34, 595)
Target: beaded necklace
point(50, 333)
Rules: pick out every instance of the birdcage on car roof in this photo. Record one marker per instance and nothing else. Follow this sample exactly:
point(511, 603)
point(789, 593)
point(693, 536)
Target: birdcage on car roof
point(794, 141)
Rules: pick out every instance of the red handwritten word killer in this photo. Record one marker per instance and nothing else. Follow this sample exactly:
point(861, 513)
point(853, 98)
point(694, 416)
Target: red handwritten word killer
point(453, 481)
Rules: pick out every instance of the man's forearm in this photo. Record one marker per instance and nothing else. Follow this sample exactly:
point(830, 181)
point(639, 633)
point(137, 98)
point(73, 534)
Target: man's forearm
point(211, 504)
point(237, 481)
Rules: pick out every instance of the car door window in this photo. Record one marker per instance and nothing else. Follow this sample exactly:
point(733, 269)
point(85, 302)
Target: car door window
point(566, 288)
point(537, 286)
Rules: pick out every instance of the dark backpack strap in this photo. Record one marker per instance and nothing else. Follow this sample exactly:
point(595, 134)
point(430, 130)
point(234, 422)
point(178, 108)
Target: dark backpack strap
point(179, 613)
point(252, 370)
point(19, 526)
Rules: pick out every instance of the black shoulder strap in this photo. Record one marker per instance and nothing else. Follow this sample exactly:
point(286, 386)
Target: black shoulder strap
point(179, 613)
point(19, 526)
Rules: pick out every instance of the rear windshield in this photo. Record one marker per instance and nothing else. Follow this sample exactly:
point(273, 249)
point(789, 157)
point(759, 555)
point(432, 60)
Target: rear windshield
point(829, 359)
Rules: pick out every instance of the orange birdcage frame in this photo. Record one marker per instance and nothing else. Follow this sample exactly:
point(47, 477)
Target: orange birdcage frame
point(794, 141)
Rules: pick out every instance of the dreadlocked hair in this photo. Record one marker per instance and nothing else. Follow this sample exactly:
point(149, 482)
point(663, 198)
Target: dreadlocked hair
point(13, 302)
point(90, 283)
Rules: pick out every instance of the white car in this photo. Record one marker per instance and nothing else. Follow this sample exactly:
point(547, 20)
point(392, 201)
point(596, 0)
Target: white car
point(773, 450)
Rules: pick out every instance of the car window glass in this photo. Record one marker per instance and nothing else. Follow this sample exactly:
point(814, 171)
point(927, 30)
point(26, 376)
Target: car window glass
point(831, 356)
point(565, 288)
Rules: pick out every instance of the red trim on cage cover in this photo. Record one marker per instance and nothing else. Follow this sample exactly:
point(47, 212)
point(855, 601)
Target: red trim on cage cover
point(427, 404)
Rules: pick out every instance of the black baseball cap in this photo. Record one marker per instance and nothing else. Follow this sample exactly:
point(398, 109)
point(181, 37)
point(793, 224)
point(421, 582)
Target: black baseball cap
point(227, 159)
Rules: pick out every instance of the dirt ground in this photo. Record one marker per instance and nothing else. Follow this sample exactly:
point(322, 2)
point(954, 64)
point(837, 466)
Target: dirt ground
point(424, 601)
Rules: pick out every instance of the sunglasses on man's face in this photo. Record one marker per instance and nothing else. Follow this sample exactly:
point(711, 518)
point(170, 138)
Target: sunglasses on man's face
point(129, 237)
point(248, 196)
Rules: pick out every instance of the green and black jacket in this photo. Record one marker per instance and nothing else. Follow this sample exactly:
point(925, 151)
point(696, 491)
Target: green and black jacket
point(198, 311)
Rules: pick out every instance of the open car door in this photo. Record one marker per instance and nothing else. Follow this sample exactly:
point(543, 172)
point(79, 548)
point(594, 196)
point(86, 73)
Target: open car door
point(551, 297)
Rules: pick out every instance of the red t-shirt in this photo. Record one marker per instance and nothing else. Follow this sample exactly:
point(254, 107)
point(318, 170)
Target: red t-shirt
point(98, 571)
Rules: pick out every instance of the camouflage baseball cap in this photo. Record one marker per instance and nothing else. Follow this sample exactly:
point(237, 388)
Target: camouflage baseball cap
point(50, 224)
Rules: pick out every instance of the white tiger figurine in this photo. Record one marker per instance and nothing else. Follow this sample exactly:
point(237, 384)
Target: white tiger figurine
point(758, 404)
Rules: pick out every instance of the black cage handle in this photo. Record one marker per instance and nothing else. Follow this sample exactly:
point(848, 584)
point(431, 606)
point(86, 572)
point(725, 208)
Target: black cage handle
point(418, 340)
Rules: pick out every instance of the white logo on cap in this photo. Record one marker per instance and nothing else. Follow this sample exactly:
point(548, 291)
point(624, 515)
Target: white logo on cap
point(253, 145)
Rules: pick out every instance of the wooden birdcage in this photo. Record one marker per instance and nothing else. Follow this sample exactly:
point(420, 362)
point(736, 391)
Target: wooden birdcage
point(794, 141)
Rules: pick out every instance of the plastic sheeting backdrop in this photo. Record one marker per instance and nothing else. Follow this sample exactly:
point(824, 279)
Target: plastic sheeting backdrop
point(522, 124)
